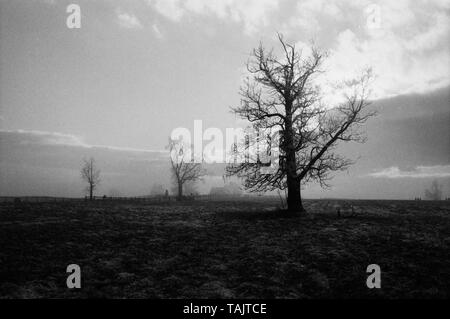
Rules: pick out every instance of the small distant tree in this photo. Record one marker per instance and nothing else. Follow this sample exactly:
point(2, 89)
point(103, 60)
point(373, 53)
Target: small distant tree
point(435, 192)
point(184, 169)
point(91, 175)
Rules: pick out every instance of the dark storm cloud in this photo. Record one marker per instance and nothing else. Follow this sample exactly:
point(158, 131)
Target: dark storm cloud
point(408, 146)
point(409, 131)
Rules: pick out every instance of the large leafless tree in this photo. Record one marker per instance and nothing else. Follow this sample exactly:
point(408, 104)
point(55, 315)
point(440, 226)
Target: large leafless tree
point(91, 175)
point(282, 93)
point(184, 169)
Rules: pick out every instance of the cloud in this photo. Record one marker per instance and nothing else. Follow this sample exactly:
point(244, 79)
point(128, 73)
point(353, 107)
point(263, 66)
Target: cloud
point(128, 20)
point(307, 15)
point(407, 47)
point(128, 149)
point(25, 137)
point(171, 9)
point(157, 32)
point(252, 14)
point(408, 51)
point(437, 171)
point(30, 137)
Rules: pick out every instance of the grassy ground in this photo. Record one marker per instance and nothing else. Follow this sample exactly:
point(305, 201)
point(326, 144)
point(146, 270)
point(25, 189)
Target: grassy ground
point(229, 249)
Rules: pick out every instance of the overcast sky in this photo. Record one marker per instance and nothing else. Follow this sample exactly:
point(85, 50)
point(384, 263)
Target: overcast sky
point(135, 70)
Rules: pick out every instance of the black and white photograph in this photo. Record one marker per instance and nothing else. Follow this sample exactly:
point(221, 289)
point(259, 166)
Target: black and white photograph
point(225, 153)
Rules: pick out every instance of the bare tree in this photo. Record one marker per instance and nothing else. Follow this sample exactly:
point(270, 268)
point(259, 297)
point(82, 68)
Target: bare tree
point(91, 175)
point(282, 94)
point(183, 168)
point(435, 192)
point(189, 188)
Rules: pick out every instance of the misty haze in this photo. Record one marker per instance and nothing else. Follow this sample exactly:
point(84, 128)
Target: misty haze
point(224, 149)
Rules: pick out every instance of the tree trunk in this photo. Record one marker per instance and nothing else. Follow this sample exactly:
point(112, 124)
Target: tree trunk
point(180, 190)
point(91, 191)
point(294, 200)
